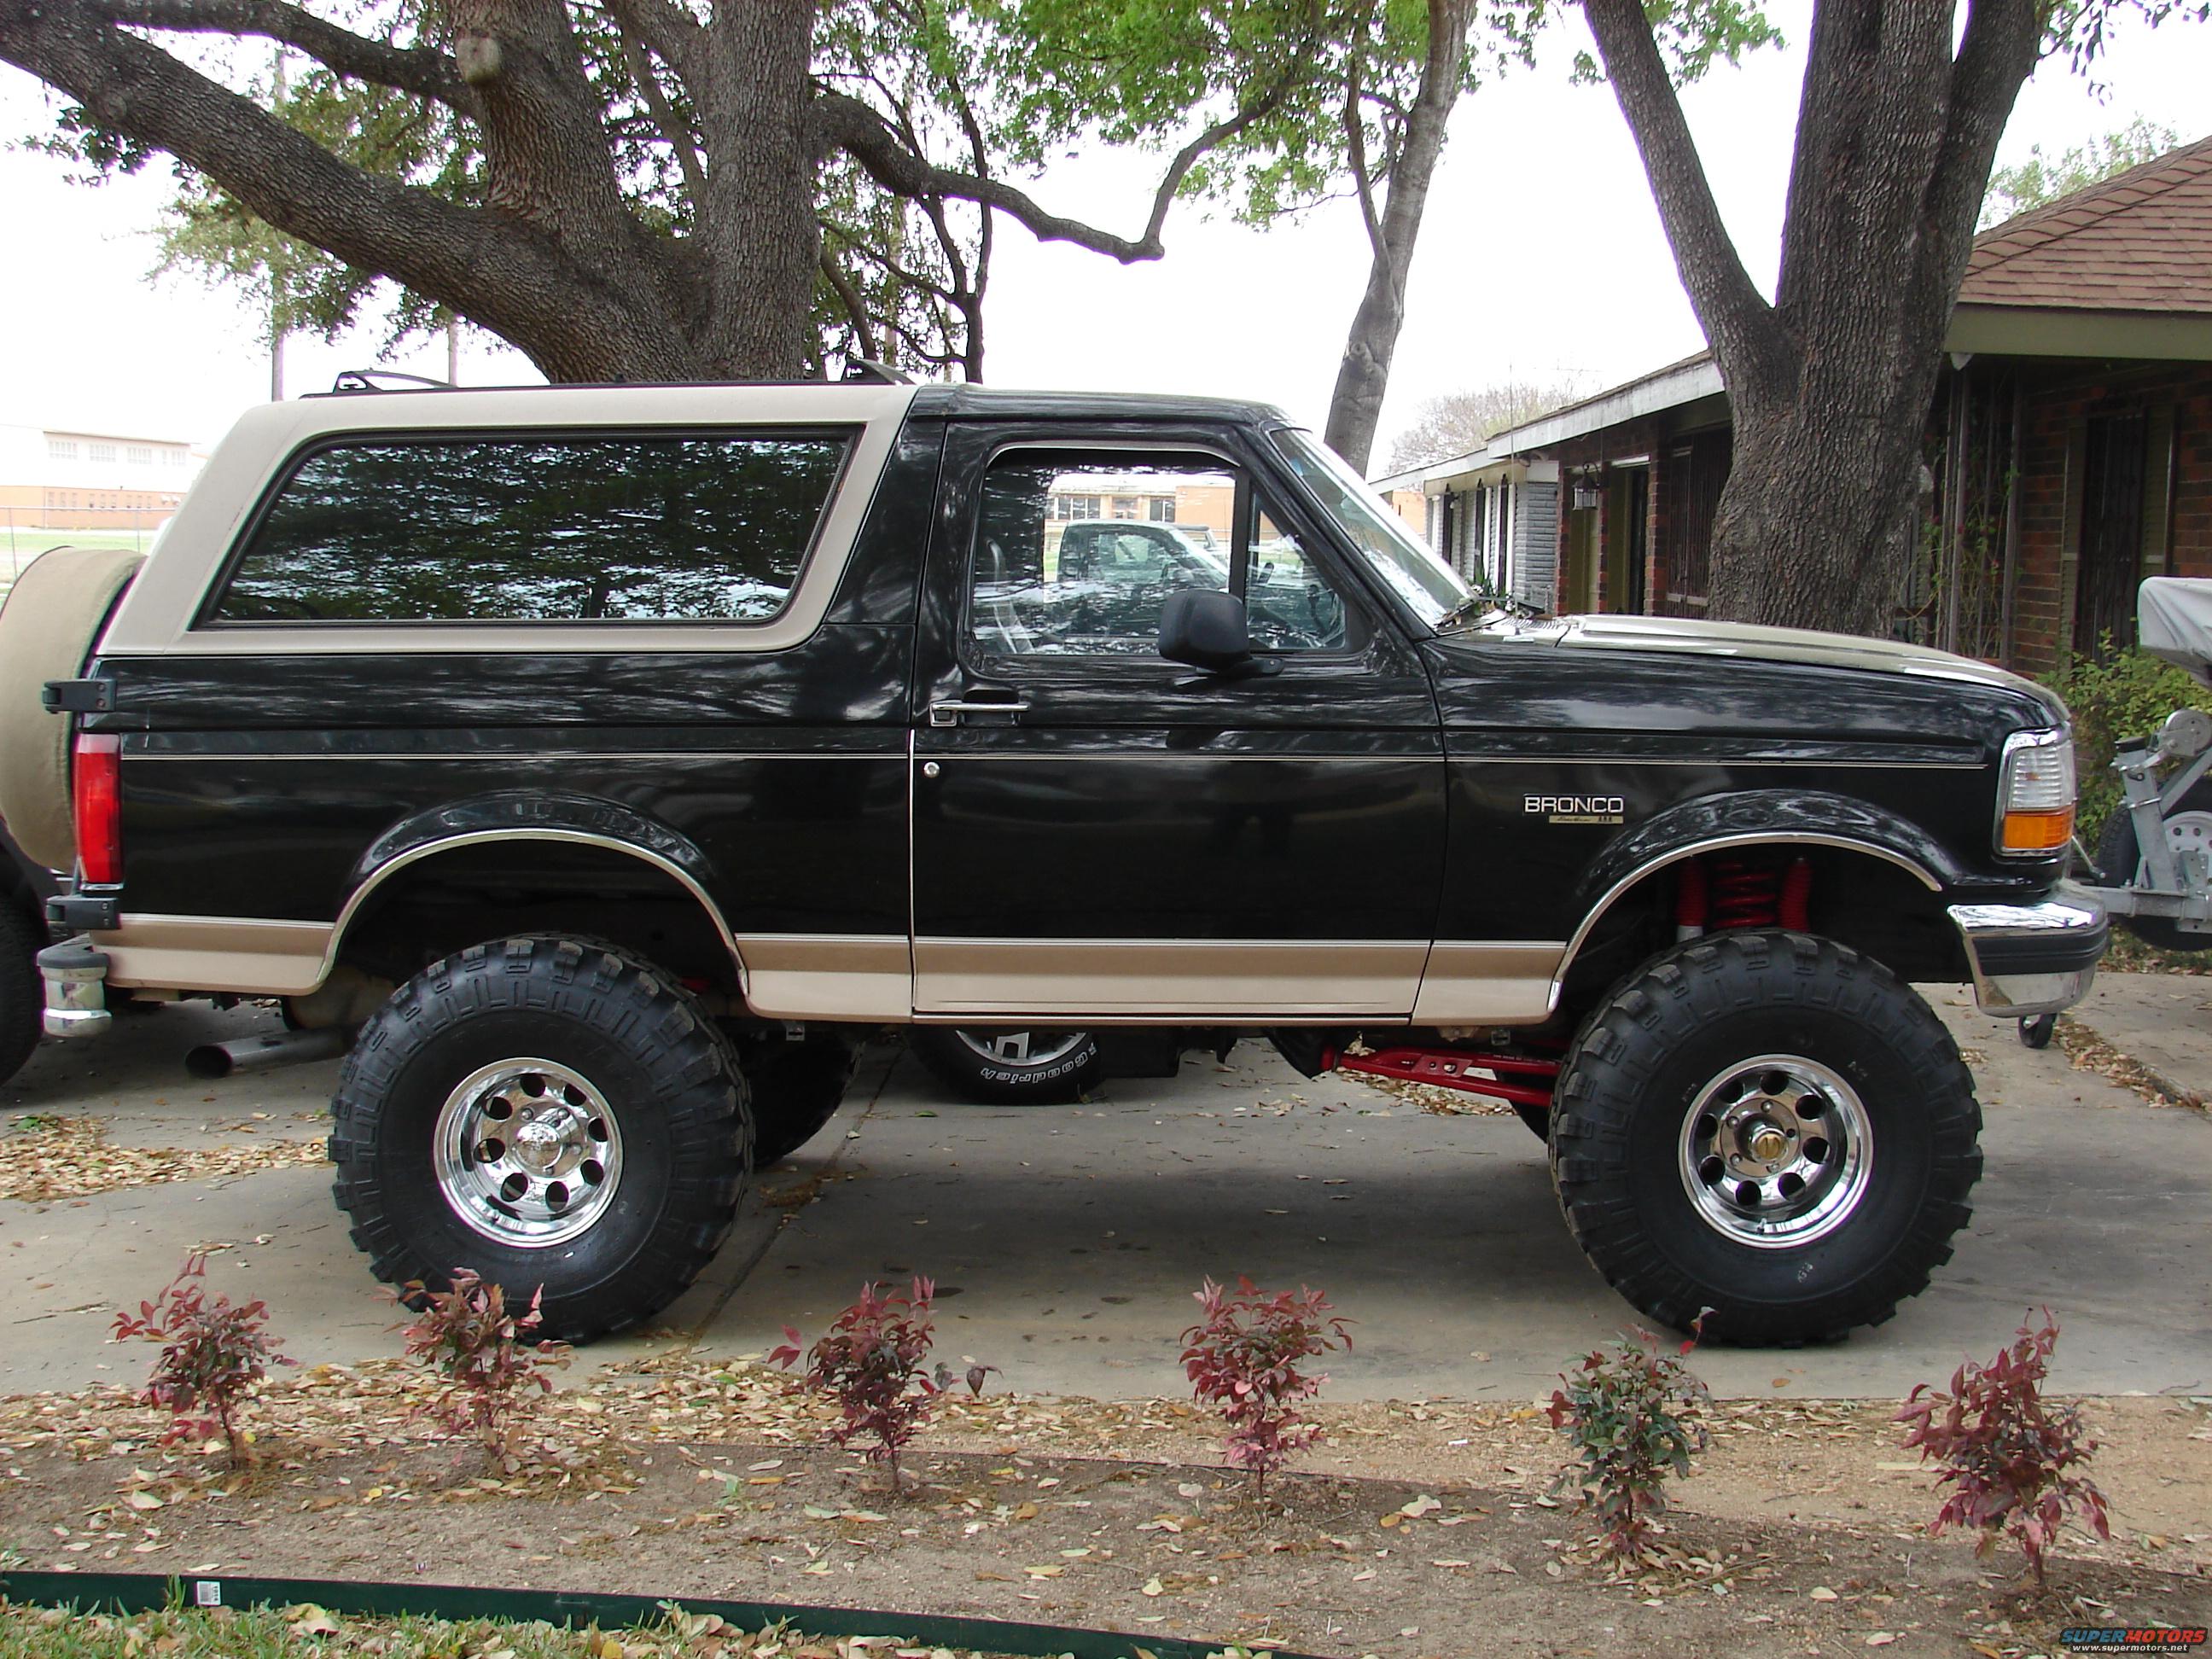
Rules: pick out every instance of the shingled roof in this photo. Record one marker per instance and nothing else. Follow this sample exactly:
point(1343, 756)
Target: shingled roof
point(2140, 241)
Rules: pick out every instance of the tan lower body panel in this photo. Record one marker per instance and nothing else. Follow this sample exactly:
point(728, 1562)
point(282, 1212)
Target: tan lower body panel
point(825, 976)
point(877, 978)
point(1206, 979)
point(253, 957)
point(1484, 982)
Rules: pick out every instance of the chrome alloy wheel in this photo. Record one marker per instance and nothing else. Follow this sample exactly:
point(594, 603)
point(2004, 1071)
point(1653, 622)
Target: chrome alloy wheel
point(1023, 1047)
point(1776, 1151)
point(527, 1152)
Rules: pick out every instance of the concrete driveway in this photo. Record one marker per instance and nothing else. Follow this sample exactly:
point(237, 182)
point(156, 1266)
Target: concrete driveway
point(1066, 1242)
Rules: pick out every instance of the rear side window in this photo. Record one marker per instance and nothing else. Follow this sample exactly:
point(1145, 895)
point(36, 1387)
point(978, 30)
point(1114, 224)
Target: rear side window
point(658, 528)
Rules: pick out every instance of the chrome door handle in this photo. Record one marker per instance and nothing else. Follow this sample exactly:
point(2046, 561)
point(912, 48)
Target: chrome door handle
point(949, 714)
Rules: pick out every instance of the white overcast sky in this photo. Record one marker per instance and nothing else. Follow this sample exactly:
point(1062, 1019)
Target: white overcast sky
point(1541, 255)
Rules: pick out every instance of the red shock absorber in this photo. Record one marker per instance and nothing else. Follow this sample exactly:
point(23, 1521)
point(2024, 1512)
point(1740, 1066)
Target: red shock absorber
point(1691, 906)
point(1795, 908)
point(1745, 895)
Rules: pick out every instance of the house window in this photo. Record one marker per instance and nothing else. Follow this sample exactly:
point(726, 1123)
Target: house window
point(2112, 473)
point(173, 457)
point(61, 449)
point(1162, 510)
point(139, 454)
point(99, 454)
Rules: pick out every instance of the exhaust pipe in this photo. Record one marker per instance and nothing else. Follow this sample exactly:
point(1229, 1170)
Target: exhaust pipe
point(265, 1053)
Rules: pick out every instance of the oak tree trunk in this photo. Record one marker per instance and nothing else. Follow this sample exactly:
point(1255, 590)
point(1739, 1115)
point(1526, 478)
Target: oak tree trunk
point(1364, 378)
point(1829, 385)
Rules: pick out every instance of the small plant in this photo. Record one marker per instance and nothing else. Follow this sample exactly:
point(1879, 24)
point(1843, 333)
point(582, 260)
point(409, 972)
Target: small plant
point(1242, 1358)
point(482, 1349)
point(873, 1362)
point(212, 1354)
point(2006, 1452)
point(1634, 1415)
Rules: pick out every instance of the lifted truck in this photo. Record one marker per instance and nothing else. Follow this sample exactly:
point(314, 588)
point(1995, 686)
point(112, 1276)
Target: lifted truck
point(614, 758)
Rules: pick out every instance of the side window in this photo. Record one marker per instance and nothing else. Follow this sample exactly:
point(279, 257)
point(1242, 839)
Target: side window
point(538, 529)
point(1289, 604)
point(1052, 575)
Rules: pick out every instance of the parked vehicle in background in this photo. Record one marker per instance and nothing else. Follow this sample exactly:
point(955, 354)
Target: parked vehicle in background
point(613, 757)
point(1010, 1068)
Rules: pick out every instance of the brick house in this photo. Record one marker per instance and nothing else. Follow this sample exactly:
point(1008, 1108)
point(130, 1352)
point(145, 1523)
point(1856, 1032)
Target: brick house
point(2068, 448)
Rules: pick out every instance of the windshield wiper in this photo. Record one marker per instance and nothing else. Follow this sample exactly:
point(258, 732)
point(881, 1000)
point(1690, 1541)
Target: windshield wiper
point(1468, 610)
point(1477, 607)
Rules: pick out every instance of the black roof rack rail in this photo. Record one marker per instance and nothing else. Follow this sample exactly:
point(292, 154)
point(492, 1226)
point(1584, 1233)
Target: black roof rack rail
point(372, 380)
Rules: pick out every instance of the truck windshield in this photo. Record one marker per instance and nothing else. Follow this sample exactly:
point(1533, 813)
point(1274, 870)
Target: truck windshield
point(1429, 586)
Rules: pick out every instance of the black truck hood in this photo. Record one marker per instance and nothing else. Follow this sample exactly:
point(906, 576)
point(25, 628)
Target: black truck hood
point(1797, 647)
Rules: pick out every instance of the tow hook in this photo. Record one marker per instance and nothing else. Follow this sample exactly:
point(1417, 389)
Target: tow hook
point(76, 989)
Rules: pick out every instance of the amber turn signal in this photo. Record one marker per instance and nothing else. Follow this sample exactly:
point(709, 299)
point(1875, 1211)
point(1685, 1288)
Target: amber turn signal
point(2038, 832)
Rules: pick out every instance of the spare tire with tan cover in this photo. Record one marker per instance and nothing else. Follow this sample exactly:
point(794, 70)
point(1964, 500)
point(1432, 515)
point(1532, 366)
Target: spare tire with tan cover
point(49, 623)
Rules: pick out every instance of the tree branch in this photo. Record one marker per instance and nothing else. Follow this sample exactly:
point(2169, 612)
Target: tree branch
point(423, 70)
point(665, 28)
point(1355, 147)
point(1995, 57)
point(856, 310)
point(477, 262)
point(850, 124)
point(1734, 315)
point(672, 131)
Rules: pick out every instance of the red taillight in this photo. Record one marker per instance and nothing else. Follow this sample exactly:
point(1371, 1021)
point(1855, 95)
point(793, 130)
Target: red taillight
point(96, 795)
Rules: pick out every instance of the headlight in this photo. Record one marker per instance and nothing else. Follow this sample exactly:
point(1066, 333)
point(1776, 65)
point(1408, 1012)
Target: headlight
point(2035, 793)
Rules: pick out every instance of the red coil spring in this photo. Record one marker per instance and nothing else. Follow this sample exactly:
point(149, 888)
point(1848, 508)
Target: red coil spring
point(1744, 895)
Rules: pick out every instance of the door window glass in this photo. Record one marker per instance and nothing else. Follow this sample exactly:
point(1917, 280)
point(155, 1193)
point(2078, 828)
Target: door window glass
point(1045, 581)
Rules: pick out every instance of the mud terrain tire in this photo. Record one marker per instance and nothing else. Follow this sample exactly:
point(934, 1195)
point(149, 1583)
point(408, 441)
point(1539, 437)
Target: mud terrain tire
point(23, 994)
point(796, 1089)
point(495, 1077)
point(1683, 1091)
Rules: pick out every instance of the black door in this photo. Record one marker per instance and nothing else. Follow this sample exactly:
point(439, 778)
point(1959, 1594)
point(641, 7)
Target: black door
point(1098, 832)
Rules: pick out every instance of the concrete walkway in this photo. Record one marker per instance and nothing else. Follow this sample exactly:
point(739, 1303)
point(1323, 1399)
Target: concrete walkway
point(1066, 1242)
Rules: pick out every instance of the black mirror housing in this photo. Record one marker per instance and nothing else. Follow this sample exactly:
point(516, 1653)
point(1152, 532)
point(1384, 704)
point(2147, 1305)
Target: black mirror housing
point(1206, 628)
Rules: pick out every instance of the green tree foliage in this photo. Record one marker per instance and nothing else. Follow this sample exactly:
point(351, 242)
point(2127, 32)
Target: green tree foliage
point(648, 189)
point(2042, 179)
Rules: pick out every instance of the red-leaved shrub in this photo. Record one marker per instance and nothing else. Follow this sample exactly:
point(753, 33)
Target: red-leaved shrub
point(1633, 1414)
point(872, 1362)
point(1242, 1358)
point(2006, 1452)
point(482, 1350)
point(212, 1354)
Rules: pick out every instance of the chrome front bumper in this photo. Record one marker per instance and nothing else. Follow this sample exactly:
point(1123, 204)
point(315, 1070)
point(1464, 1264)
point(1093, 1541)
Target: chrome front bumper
point(2033, 958)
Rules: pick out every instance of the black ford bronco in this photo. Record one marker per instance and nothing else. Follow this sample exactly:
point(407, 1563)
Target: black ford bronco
point(611, 759)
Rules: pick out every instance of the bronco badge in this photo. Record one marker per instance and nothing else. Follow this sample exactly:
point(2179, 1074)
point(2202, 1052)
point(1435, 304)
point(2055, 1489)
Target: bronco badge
point(1576, 809)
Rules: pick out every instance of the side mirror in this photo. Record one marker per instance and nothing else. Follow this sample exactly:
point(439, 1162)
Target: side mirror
point(1206, 628)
